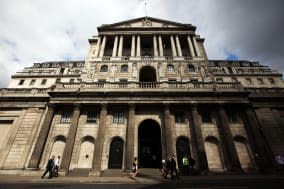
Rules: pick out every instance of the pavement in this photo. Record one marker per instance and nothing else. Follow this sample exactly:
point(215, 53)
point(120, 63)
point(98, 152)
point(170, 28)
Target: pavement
point(142, 179)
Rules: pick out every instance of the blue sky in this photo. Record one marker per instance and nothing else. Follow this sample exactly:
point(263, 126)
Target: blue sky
point(47, 30)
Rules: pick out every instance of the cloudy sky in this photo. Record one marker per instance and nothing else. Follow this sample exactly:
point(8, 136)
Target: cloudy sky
point(46, 30)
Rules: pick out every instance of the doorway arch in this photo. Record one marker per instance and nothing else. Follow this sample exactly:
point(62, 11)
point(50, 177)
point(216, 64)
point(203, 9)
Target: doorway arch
point(115, 154)
point(86, 152)
point(149, 144)
point(183, 148)
point(147, 74)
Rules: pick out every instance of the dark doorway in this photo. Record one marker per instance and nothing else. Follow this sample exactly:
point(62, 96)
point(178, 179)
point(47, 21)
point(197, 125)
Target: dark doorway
point(182, 147)
point(149, 145)
point(147, 74)
point(115, 154)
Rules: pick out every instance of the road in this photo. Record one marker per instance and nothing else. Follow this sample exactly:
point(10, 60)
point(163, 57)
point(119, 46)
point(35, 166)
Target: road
point(226, 184)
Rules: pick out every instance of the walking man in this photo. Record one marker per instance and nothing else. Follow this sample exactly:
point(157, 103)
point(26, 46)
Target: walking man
point(56, 166)
point(49, 167)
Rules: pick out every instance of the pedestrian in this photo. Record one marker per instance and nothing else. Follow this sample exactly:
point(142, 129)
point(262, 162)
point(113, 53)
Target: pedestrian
point(56, 166)
point(280, 161)
point(191, 164)
point(173, 167)
point(185, 165)
point(168, 167)
point(135, 166)
point(49, 167)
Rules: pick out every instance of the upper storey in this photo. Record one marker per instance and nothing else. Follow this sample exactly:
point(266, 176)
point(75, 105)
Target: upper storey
point(146, 37)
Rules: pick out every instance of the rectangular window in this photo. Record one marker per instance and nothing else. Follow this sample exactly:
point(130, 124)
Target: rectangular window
point(72, 80)
point(32, 82)
point(179, 118)
point(219, 79)
point(206, 117)
point(65, 117)
point(118, 117)
point(57, 80)
point(260, 81)
point(43, 82)
point(21, 82)
point(92, 117)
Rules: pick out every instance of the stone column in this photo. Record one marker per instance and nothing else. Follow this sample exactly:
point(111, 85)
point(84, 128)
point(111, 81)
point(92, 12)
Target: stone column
point(196, 46)
point(67, 154)
point(99, 144)
point(114, 50)
point(155, 46)
point(120, 46)
point(39, 146)
point(102, 49)
point(197, 135)
point(138, 46)
point(98, 47)
point(233, 163)
point(130, 137)
point(190, 47)
point(178, 46)
point(161, 49)
point(133, 46)
point(174, 52)
point(168, 131)
point(262, 153)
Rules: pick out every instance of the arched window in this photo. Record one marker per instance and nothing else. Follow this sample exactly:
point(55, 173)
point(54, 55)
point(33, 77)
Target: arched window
point(191, 68)
point(124, 68)
point(104, 68)
point(170, 68)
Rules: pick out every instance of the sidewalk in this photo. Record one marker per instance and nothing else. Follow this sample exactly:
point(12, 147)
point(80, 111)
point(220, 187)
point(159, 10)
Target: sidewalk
point(137, 180)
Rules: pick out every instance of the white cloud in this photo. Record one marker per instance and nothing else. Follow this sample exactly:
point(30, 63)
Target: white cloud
point(46, 30)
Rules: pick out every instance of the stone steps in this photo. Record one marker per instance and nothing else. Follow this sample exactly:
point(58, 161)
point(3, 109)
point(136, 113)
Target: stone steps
point(78, 172)
point(112, 173)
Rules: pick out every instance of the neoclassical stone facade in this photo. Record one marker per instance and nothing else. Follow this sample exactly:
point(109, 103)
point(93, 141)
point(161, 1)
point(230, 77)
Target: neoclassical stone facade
point(146, 90)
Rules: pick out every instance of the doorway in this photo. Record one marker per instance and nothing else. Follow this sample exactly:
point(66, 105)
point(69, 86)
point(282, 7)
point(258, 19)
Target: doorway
point(182, 147)
point(149, 145)
point(115, 154)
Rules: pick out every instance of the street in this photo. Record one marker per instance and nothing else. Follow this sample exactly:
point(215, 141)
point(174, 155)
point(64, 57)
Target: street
point(225, 184)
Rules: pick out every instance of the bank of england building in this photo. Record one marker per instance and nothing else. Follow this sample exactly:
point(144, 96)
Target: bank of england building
point(146, 89)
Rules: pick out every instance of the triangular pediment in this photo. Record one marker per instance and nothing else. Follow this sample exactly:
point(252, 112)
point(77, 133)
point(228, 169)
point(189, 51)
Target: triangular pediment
point(146, 22)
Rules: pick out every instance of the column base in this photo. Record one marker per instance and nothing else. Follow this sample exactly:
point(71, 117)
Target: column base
point(95, 173)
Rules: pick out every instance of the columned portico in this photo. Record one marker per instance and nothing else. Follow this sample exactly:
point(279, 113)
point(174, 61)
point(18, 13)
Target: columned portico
point(114, 51)
point(67, 154)
point(133, 46)
point(197, 133)
point(233, 163)
point(120, 46)
point(39, 147)
point(168, 131)
point(161, 50)
point(173, 46)
point(179, 52)
point(102, 49)
point(100, 138)
point(192, 54)
point(155, 46)
point(196, 46)
point(138, 47)
point(130, 137)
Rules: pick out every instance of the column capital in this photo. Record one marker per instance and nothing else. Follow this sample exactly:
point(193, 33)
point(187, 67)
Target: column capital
point(132, 105)
point(103, 106)
point(51, 106)
point(77, 105)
